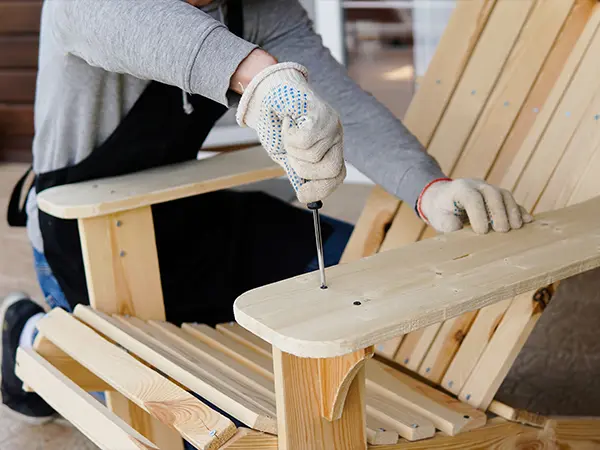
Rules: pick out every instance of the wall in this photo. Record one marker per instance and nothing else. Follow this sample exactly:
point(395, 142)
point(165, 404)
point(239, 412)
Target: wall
point(19, 25)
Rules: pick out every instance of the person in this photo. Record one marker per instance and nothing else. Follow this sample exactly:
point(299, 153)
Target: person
point(125, 86)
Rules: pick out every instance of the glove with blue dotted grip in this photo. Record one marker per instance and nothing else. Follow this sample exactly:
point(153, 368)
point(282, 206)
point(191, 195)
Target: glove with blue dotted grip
point(299, 131)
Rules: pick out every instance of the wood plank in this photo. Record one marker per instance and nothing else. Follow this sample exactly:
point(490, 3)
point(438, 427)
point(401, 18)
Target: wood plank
point(377, 435)
point(243, 336)
point(475, 417)
point(17, 86)
point(156, 395)
point(475, 342)
point(174, 337)
point(576, 161)
point(228, 394)
point(446, 67)
point(497, 436)
point(16, 148)
point(88, 415)
point(542, 152)
point(121, 264)
point(512, 88)
point(430, 102)
point(112, 195)
point(300, 424)
point(394, 416)
point(420, 285)
point(18, 52)
point(404, 391)
point(254, 360)
point(78, 374)
point(20, 16)
point(501, 352)
point(16, 119)
point(335, 377)
point(517, 415)
point(444, 347)
point(372, 225)
point(164, 438)
point(547, 78)
point(527, 148)
point(388, 349)
point(415, 346)
point(472, 93)
point(588, 185)
point(247, 439)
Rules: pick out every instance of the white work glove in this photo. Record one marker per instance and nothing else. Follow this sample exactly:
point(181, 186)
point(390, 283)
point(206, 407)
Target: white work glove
point(299, 131)
point(446, 205)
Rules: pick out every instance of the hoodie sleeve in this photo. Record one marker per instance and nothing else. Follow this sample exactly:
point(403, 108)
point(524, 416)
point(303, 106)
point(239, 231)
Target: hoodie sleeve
point(168, 41)
point(375, 142)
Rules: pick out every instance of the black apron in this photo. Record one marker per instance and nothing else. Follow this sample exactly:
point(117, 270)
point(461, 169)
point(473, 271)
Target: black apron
point(212, 247)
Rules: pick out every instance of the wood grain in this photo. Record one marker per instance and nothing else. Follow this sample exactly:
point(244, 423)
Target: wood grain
point(501, 352)
point(20, 16)
point(150, 391)
point(300, 424)
point(16, 120)
point(78, 374)
point(121, 264)
point(111, 195)
point(88, 415)
point(247, 439)
point(495, 436)
point(235, 398)
point(473, 346)
point(256, 361)
point(550, 112)
point(18, 52)
point(243, 336)
point(371, 226)
point(418, 285)
point(399, 389)
point(543, 86)
point(17, 86)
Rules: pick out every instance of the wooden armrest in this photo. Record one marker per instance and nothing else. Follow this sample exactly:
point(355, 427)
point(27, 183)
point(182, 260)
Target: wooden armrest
point(111, 195)
point(396, 292)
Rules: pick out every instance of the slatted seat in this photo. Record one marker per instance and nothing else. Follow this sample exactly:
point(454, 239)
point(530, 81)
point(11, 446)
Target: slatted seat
point(407, 347)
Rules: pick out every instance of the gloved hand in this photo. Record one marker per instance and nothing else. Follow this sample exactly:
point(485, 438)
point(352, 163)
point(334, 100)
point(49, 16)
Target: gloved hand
point(446, 205)
point(300, 131)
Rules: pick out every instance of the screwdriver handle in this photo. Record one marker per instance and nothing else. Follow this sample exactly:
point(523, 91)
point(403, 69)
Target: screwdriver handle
point(315, 205)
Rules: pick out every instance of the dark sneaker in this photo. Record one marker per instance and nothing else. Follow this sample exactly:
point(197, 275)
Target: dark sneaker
point(26, 406)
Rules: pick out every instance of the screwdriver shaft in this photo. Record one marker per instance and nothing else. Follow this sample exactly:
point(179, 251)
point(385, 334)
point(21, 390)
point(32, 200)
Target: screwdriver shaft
point(319, 239)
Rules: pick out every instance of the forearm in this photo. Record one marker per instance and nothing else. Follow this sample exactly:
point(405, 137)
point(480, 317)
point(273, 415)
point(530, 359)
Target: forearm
point(164, 40)
point(375, 141)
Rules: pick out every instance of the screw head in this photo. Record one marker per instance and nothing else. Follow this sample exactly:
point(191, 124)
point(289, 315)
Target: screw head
point(122, 253)
point(438, 81)
point(536, 110)
point(357, 303)
point(597, 117)
point(450, 383)
point(468, 397)
point(406, 361)
point(506, 103)
point(473, 92)
point(415, 425)
point(428, 370)
point(119, 223)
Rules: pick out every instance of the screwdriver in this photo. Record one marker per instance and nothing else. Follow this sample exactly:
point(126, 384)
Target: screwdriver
point(315, 207)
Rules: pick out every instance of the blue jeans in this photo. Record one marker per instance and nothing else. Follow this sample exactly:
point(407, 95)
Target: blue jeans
point(333, 248)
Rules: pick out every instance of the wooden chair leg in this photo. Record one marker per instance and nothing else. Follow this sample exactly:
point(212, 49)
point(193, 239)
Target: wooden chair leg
point(306, 390)
point(123, 276)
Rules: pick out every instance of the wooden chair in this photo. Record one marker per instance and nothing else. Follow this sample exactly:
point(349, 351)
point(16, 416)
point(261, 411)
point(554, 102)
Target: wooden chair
point(512, 95)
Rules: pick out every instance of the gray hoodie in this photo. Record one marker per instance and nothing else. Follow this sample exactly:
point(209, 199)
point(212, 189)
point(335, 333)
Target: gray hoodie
point(97, 57)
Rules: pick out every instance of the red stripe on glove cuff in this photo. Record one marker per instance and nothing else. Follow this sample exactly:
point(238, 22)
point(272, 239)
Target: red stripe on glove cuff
point(419, 210)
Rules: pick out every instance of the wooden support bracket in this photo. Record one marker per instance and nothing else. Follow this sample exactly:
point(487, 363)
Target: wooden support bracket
point(335, 376)
point(300, 422)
